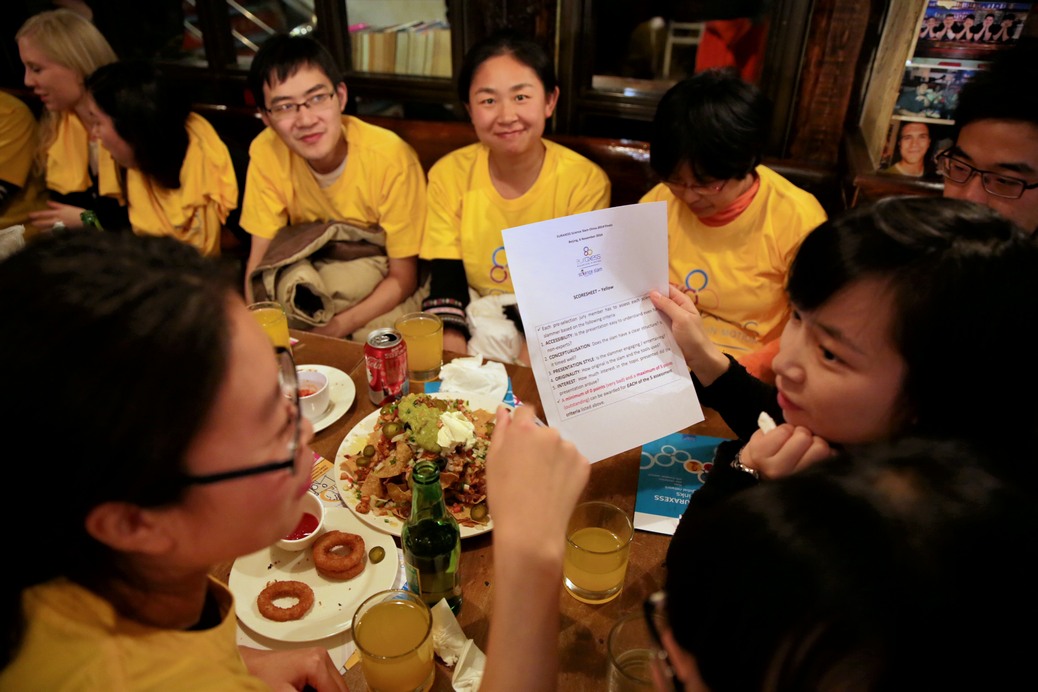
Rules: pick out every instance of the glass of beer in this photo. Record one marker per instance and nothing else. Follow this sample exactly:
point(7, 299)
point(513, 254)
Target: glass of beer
point(393, 633)
point(271, 316)
point(423, 334)
point(598, 544)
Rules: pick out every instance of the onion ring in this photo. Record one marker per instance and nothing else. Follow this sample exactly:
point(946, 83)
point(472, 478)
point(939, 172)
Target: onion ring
point(285, 589)
point(345, 564)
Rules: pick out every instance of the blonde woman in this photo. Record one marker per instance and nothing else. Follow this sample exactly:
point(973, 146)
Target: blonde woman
point(59, 48)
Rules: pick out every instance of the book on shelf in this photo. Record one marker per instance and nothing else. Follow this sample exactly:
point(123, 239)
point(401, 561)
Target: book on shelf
point(441, 52)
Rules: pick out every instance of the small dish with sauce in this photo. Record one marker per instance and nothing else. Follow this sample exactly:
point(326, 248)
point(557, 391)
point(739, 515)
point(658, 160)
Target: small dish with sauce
point(309, 526)
point(314, 392)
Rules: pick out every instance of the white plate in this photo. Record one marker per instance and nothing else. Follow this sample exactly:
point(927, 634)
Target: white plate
point(341, 396)
point(335, 601)
point(354, 441)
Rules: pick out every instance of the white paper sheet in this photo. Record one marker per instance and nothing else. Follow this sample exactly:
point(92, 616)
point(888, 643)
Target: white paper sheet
point(608, 371)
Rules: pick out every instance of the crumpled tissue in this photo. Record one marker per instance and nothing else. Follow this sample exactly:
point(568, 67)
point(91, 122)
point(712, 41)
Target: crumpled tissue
point(453, 647)
point(472, 375)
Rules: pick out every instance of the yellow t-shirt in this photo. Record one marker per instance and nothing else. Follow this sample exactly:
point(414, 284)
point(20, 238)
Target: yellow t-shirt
point(208, 191)
point(17, 146)
point(68, 161)
point(382, 186)
point(76, 641)
point(467, 214)
point(736, 273)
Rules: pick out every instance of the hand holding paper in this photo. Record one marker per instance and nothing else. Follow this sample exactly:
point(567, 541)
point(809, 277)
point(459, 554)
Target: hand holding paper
point(602, 355)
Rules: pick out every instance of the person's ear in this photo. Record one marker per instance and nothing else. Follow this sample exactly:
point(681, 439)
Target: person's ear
point(127, 528)
point(342, 94)
point(552, 101)
point(683, 664)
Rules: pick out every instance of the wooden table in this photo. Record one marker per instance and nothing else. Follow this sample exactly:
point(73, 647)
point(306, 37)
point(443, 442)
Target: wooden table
point(584, 627)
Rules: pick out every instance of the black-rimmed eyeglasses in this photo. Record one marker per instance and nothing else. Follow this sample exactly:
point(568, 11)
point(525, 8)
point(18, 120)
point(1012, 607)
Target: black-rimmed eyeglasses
point(995, 184)
point(653, 608)
point(289, 109)
point(290, 389)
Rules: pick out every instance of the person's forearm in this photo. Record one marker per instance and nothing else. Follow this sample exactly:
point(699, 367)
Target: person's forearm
point(522, 650)
point(388, 294)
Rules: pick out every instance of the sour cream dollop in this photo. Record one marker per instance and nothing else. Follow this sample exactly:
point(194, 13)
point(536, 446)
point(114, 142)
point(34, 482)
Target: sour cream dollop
point(455, 429)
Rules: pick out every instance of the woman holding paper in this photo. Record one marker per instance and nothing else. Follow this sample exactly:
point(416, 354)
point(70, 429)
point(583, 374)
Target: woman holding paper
point(511, 177)
point(867, 356)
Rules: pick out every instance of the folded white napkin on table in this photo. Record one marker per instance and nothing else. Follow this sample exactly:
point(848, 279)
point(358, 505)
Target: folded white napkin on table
point(472, 375)
point(453, 647)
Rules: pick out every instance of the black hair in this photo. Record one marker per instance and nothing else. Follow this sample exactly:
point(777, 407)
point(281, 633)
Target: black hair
point(148, 112)
point(960, 278)
point(999, 91)
point(507, 42)
point(281, 56)
point(868, 572)
point(119, 343)
point(715, 122)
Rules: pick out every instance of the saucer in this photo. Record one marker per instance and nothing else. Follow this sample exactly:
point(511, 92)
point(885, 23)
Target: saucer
point(341, 395)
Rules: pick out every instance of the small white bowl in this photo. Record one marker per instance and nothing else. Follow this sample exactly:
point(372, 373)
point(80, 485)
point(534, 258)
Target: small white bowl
point(314, 393)
point(311, 505)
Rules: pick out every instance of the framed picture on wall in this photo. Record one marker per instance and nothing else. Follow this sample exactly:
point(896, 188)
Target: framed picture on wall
point(969, 30)
point(911, 145)
point(930, 88)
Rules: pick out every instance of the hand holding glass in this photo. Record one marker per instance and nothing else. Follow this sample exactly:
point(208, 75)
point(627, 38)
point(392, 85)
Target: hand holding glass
point(423, 334)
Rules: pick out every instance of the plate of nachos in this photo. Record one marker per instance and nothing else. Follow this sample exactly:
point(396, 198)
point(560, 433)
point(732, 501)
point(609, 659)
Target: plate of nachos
point(375, 459)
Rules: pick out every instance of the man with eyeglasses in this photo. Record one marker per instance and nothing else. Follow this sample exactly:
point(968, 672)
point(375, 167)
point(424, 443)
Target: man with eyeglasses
point(314, 164)
point(994, 160)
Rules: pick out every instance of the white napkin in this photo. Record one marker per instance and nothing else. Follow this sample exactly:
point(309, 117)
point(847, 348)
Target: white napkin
point(453, 647)
point(473, 376)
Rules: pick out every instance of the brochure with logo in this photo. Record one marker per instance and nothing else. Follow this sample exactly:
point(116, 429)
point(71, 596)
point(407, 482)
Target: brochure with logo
point(609, 373)
point(672, 468)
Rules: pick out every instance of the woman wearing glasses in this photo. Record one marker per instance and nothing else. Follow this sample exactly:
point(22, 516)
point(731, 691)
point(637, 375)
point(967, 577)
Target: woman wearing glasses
point(185, 448)
point(179, 180)
point(733, 224)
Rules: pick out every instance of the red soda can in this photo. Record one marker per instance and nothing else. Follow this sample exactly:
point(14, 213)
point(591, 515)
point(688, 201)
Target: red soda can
point(385, 357)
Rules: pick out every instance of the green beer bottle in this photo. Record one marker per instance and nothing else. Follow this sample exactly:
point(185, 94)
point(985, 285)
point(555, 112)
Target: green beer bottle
point(90, 220)
point(431, 541)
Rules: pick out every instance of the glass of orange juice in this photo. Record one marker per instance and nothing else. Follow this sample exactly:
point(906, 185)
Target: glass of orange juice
point(271, 316)
point(393, 633)
point(423, 334)
point(598, 544)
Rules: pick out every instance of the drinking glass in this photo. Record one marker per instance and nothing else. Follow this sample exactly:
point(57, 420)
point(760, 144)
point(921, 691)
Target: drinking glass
point(631, 651)
point(271, 316)
point(423, 334)
point(598, 544)
point(393, 633)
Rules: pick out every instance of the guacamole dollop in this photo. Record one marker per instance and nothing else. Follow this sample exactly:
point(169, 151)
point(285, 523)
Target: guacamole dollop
point(422, 419)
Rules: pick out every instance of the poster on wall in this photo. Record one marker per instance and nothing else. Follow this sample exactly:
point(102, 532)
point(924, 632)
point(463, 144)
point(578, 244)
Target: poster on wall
point(930, 88)
point(912, 145)
point(969, 30)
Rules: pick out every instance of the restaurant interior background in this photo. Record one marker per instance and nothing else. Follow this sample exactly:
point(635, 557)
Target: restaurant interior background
point(815, 59)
